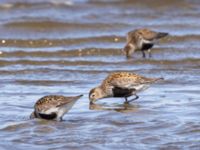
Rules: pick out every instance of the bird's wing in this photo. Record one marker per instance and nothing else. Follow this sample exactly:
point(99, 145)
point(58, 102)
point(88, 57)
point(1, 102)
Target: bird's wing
point(50, 104)
point(128, 80)
point(52, 107)
point(122, 80)
point(148, 35)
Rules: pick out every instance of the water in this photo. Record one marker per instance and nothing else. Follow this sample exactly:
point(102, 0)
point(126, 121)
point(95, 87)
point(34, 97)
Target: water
point(68, 47)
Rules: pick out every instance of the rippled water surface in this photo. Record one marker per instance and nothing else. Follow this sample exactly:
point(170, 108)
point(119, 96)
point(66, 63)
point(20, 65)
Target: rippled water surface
point(68, 47)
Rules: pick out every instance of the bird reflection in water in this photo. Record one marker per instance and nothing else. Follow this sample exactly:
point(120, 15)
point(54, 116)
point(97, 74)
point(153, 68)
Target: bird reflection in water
point(123, 108)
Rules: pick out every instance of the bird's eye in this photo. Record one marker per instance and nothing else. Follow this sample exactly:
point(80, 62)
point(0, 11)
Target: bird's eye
point(93, 95)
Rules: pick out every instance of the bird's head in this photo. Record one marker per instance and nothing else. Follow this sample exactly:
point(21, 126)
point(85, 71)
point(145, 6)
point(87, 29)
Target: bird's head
point(129, 49)
point(95, 94)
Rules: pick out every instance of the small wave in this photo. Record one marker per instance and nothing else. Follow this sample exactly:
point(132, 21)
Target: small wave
point(34, 43)
point(41, 3)
point(66, 63)
point(44, 82)
point(63, 53)
point(49, 25)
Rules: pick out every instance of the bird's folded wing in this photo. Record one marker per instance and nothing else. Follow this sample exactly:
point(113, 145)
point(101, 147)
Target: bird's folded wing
point(150, 37)
point(68, 100)
point(130, 82)
point(54, 107)
point(63, 102)
point(125, 83)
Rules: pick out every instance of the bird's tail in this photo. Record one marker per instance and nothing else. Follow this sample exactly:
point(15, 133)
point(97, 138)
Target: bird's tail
point(70, 101)
point(79, 96)
point(161, 35)
point(157, 79)
point(73, 98)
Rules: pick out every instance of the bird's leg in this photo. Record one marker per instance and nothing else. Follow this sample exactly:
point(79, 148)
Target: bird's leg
point(143, 54)
point(128, 101)
point(149, 52)
point(60, 119)
point(136, 97)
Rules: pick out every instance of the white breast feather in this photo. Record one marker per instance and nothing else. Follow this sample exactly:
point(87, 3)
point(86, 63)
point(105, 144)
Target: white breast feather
point(141, 87)
point(50, 110)
point(65, 108)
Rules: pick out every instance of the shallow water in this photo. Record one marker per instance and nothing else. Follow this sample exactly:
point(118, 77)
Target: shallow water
point(68, 47)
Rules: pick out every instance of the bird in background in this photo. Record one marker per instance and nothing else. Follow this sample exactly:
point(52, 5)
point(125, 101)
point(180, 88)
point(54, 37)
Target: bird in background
point(121, 84)
point(53, 107)
point(143, 40)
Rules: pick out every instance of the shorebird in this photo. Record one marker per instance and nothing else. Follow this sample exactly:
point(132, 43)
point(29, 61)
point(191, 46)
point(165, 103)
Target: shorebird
point(141, 39)
point(121, 84)
point(53, 107)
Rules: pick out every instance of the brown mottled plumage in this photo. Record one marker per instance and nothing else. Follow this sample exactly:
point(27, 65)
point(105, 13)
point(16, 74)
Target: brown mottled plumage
point(141, 39)
point(121, 84)
point(53, 107)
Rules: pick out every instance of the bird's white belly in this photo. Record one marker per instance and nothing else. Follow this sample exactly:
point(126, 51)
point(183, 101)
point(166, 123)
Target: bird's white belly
point(50, 110)
point(141, 87)
point(65, 108)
